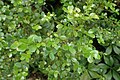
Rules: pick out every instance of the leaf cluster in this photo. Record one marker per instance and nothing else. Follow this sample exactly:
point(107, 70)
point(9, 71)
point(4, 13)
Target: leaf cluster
point(60, 39)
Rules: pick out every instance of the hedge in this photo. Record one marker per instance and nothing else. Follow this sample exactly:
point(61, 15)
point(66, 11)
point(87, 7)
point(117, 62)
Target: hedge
point(59, 40)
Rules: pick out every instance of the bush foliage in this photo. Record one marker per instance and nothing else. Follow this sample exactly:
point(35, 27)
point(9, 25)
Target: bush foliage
point(59, 39)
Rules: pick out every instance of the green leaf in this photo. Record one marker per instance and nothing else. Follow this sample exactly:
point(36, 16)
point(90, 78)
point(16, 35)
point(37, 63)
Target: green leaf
point(12, 26)
point(116, 49)
point(75, 33)
point(51, 55)
point(1, 46)
point(116, 76)
point(111, 61)
point(32, 48)
point(93, 15)
point(22, 58)
point(1, 34)
point(56, 74)
point(90, 59)
point(15, 45)
point(23, 55)
point(85, 76)
point(79, 70)
point(93, 67)
point(63, 37)
point(70, 9)
point(24, 73)
point(118, 69)
point(65, 47)
point(74, 60)
point(91, 31)
point(118, 44)
point(18, 65)
point(108, 61)
point(22, 47)
point(109, 50)
point(108, 76)
point(18, 2)
point(72, 50)
point(37, 27)
point(101, 39)
point(56, 35)
point(41, 1)
point(96, 54)
point(94, 74)
point(59, 26)
point(34, 38)
point(91, 35)
point(103, 66)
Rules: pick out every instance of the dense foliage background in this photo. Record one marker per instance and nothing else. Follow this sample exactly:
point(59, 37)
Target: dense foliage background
point(59, 39)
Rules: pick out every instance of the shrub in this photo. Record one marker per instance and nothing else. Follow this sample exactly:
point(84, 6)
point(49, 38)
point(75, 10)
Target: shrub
point(59, 40)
